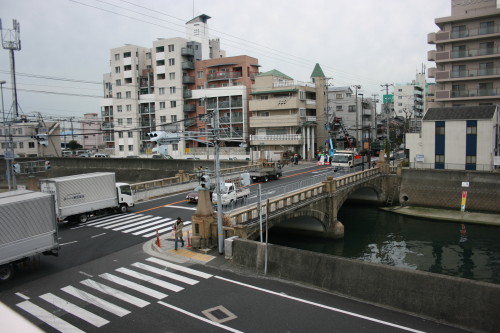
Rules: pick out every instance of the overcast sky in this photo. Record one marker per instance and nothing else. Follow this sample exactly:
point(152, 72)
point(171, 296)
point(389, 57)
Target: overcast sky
point(365, 42)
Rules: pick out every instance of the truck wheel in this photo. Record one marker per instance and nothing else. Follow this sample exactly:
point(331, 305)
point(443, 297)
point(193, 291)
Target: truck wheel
point(123, 209)
point(83, 218)
point(6, 272)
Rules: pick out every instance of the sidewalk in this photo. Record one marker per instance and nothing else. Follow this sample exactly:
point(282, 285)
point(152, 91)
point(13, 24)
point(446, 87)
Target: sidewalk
point(446, 215)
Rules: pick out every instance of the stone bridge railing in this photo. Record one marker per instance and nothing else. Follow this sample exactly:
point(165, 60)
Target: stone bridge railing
point(248, 215)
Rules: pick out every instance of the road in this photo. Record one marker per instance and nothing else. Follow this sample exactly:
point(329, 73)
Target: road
point(104, 279)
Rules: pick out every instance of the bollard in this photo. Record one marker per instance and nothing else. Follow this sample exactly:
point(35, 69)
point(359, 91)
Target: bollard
point(157, 239)
point(189, 241)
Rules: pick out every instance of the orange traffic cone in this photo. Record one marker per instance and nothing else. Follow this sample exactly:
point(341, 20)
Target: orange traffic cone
point(157, 239)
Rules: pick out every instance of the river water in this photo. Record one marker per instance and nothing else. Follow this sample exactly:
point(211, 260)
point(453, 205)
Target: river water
point(386, 238)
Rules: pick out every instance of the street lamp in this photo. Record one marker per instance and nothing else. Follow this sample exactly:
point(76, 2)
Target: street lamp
point(362, 132)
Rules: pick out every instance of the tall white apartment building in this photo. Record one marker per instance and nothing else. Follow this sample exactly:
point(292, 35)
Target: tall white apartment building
point(409, 102)
point(145, 91)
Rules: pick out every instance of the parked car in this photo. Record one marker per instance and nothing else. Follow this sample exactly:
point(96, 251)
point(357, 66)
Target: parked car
point(84, 155)
point(168, 157)
point(101, 155)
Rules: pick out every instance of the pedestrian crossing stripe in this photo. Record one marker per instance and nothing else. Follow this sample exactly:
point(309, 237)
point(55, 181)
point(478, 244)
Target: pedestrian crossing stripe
point(92, 291)
point(135, 224)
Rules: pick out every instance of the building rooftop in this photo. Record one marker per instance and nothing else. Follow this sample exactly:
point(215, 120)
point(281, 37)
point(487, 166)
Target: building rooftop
point(461, 113)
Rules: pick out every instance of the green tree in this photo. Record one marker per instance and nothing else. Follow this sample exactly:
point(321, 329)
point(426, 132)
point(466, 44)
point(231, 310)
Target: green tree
point(73, 144)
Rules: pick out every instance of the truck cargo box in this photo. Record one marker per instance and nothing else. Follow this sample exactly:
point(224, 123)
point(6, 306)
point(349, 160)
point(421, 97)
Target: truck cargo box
point(27, 225)
point(82, 193)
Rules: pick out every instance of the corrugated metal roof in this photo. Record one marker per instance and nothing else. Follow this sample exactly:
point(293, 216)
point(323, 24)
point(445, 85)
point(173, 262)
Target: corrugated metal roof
point(461, 113)
point(273, 91)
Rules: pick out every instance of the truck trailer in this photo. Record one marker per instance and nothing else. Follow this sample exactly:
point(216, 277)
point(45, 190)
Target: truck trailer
point(27, 227)
point(79, 197)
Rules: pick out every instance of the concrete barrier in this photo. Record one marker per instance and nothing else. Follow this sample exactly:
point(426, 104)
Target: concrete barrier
point(452, 300)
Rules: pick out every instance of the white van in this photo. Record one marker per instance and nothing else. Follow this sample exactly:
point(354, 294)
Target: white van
point(101, 155)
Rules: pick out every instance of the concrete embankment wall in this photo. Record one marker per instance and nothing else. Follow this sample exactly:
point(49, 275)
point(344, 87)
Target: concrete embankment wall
point(443, 189)
point(456, 301)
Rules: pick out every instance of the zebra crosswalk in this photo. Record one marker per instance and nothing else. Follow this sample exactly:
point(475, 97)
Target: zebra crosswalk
point(135, 224)
point(99, 300)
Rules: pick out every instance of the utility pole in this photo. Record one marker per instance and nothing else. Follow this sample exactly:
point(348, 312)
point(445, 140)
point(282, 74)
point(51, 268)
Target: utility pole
point(386, 109)
point(220, 229)
point(11, 41)
point(357, 86)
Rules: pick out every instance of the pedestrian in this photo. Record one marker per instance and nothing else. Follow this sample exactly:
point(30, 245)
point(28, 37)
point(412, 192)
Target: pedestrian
point(178, 226)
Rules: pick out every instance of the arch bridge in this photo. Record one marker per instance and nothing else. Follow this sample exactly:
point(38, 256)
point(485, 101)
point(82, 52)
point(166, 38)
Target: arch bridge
point(321, 202)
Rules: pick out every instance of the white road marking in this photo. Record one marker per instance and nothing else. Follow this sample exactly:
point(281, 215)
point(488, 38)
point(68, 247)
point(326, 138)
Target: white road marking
point(115, 293)
point(111, 220)
point(227, 328)
point(157, 224)
point(48, 318)
point(159, 271)
point(63, 244)
point(94, 300)
point(179, 268)
point(125, 225)
point(95, 236)
point(186, 223)
point(129, 220)
point(75, 310)
point(181, 207)
point(133, 285)
point(320, 305)
point(153, 228)
point(150, 279)
point(22, 296)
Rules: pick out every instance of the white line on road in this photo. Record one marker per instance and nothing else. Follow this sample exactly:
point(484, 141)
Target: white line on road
point(133, 285)
point(320, 305)
point(95, 236)
point(227, 328)
point(68, 243)
point(181, 207)
point(48, 318)
point(99, 302)
point(115, 293)
point(159, 271)
point(150, 279)
point(22, 296)
point(179, 267)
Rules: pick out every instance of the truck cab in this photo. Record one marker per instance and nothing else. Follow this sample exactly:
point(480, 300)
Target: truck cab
point(125, 196)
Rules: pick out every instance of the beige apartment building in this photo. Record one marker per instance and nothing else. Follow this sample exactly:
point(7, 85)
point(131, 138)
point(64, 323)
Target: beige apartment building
point(284, 115)
point(25, 143)
point(467, 55)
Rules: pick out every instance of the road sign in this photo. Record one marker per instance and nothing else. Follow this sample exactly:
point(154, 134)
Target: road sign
point(8, 155)
point(388, 98)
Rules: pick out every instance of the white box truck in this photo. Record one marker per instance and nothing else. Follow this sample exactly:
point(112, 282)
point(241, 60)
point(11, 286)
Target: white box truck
point(28, 227)
point(79, 197)
point(231, 191)
point(346, 159)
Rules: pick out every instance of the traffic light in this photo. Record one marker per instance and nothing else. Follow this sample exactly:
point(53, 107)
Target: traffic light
point(47, 165)
point(43, 139)
point(16, 168)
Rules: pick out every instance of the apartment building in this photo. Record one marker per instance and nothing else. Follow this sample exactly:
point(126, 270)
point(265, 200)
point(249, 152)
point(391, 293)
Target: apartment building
point(24, 142)
point(467, 55)
point(222, 83)
point(283, 115)
point(91, 137)
point(356, 113)
point(409, 102)
point(146, 88)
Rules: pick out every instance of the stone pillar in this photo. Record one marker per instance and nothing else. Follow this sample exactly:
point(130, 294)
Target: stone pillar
point(304, 141)
point(311, 147)
point(336, 230)
point(203, 219)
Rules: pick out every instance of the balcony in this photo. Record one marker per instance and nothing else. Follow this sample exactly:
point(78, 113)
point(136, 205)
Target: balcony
point(225, 104)
point(187, 93)
point(431, 55)
point(447, 36)
point(280, 139)
point(431, 38)
point(107, 125)
point(276, 121)
point(468, 94)
point(189, 122)
point(188, 79)
point(107, 138)
point(189, 107)
point(148, 123)
point(274, 104)
point(431, 72)
point(187, 52)
point(148, 110)
point(187, 65)
point(223, 76)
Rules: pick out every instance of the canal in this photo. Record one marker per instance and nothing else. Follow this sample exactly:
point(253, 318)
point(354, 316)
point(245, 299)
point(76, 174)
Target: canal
point(386, 238)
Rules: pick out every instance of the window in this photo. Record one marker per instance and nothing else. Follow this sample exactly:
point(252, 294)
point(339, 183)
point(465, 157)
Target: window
point(263, 114)
point(160, 62)
point(171, 48)
point(459, 31)
point(118, 82)
point(128, 80)
point(120, 147)
point(130, 134)
point(127, 54)
point(120, 135)
point(148, 55)
point(173, 104)
point(486, 89)
point(162, 105)
point(351, 108)
point(175, 147)
point(119, 108)
point(161, 91)
point(128, 94)
point(173, 118)
point(458, 51)
point(338, 96)
point(199, 74)
point(31, 145)
point(117, 56)
point(439, 158)
point(127, 67)
point(486, 48)
point(472, 130)
point(486, 68)
point(338, 108)
point(120, 121)
point(130, 147)
point(119, 95)
point(470, 159)
point(302, 95)
point(172, 90)
point(160, 49)
point(163, 119)
point(486, 27)
point(440, 130)
point(171, 62)
point(160, 76)
point(171, 76)
point(117, 69)
point(129, 107)
point(458, 71)
point(129, 121)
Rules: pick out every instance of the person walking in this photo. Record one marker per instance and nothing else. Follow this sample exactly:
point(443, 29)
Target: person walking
point(178, 226)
